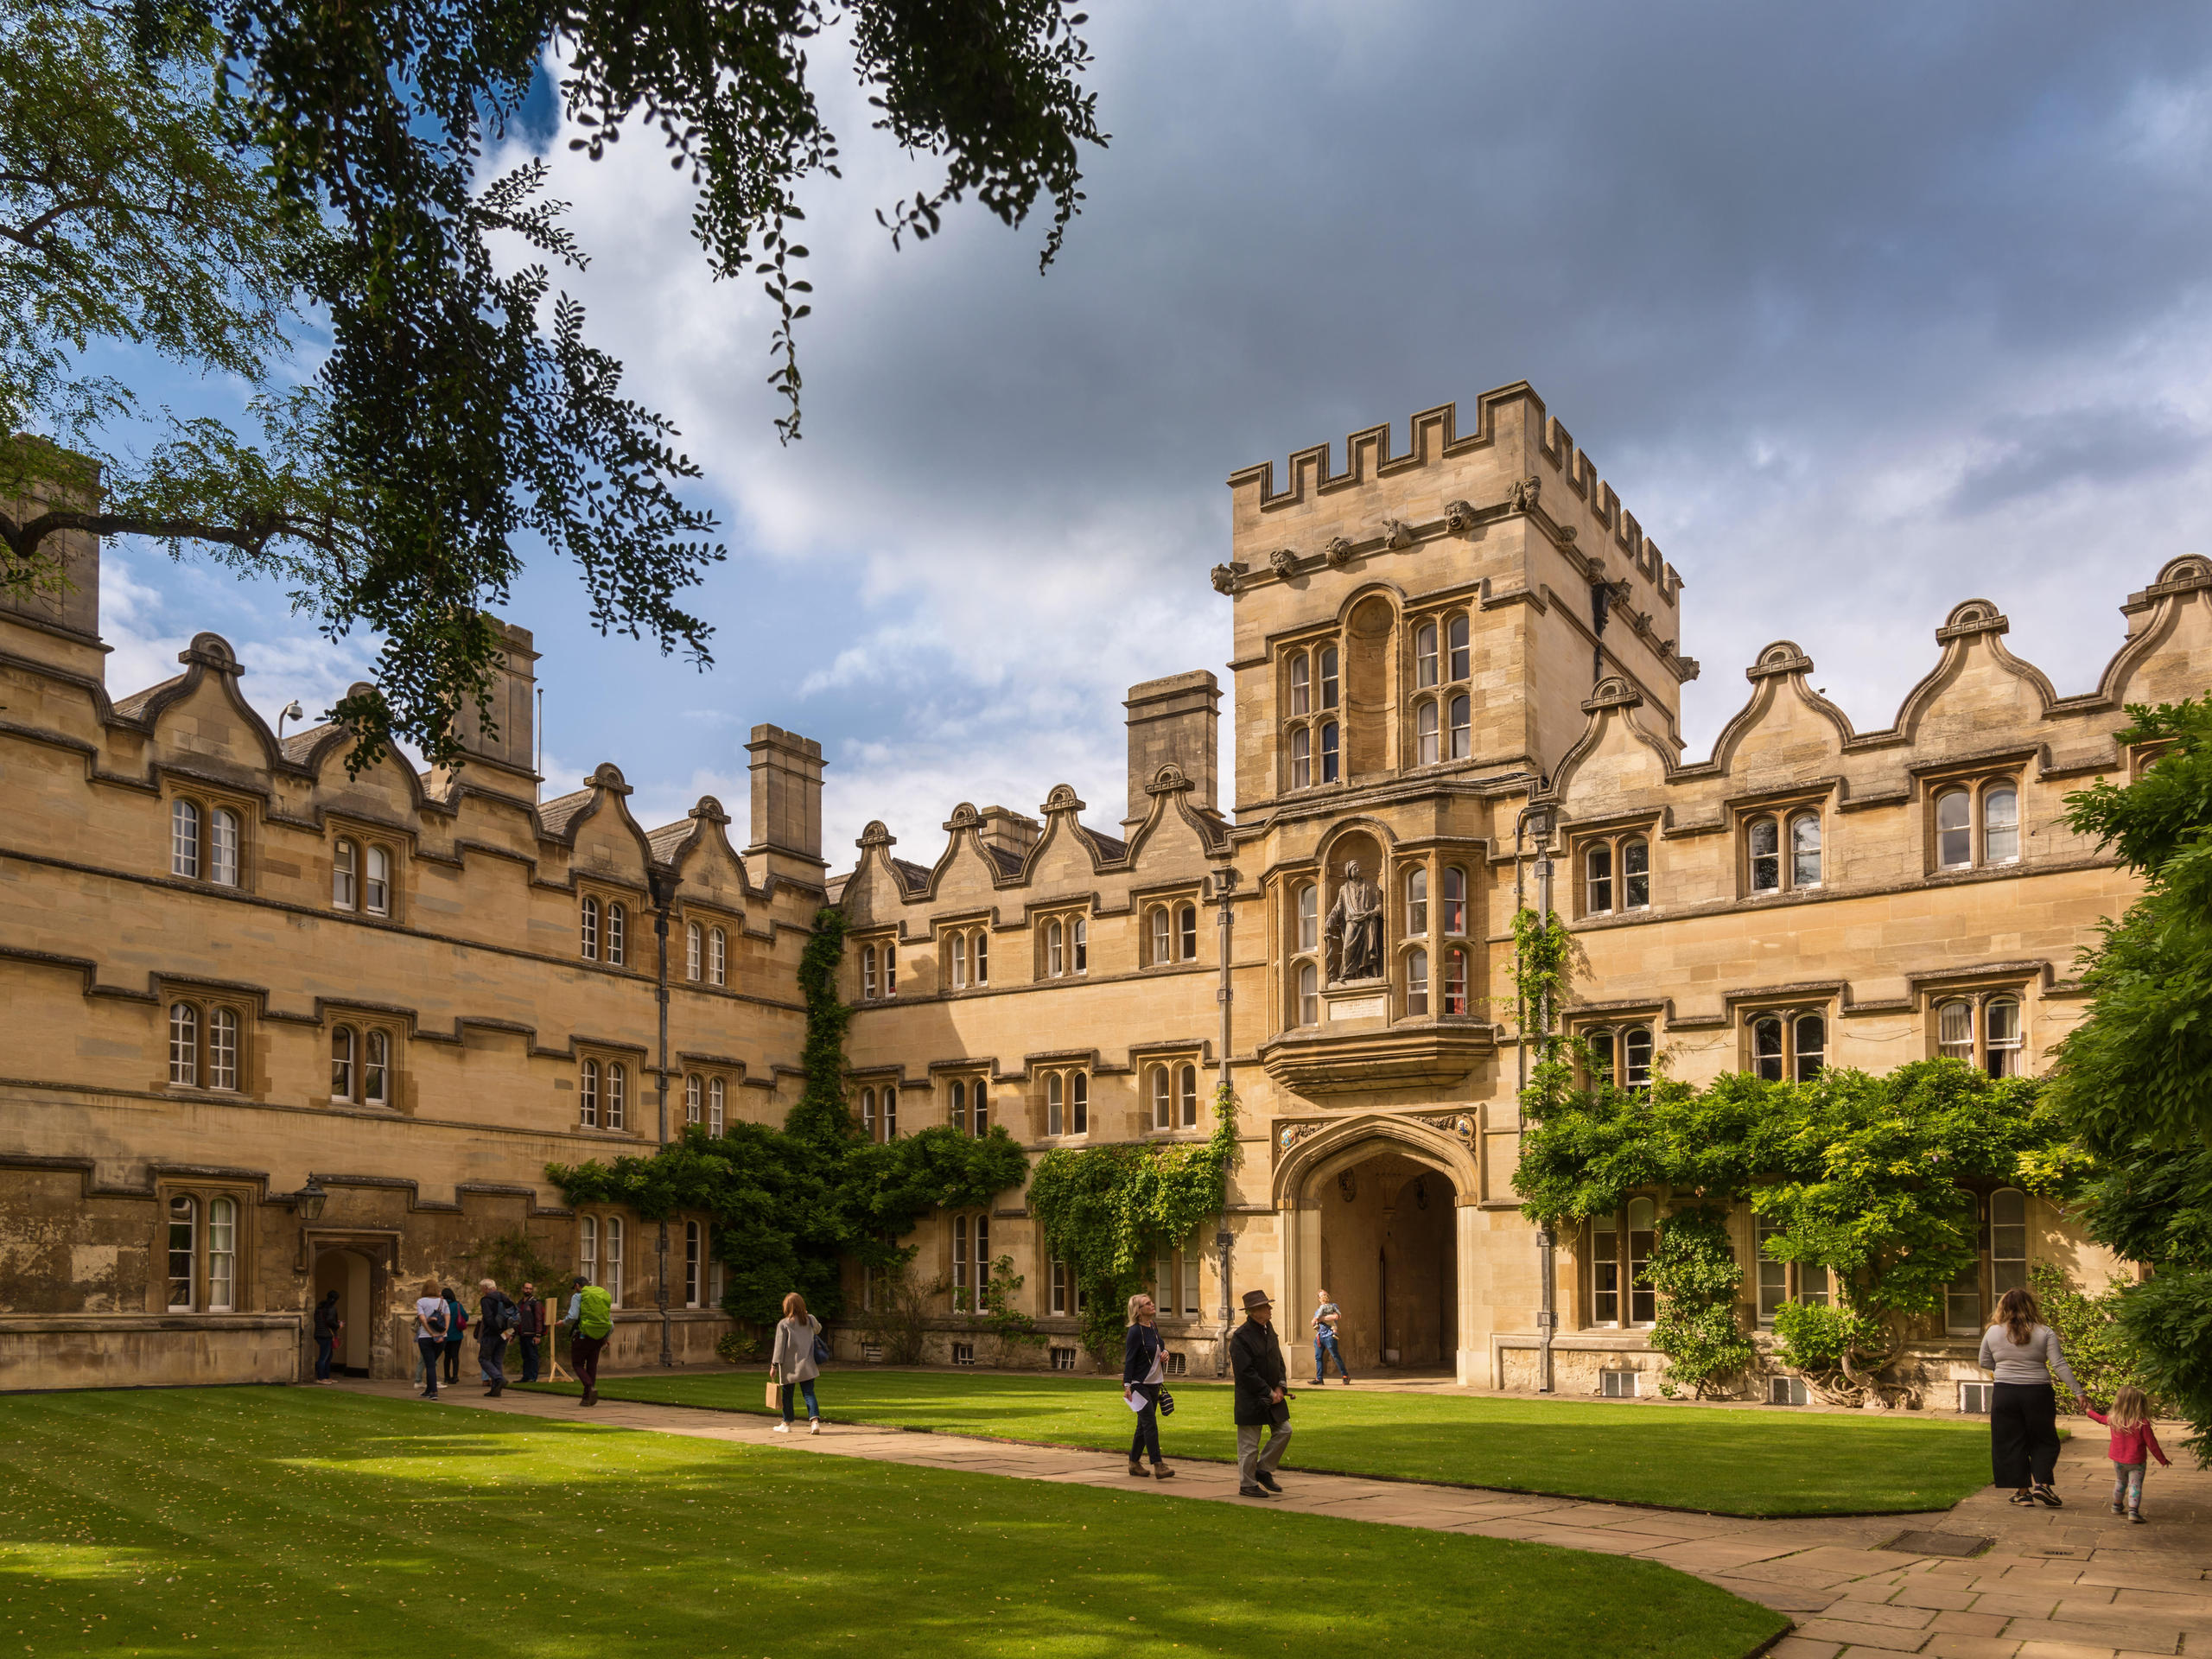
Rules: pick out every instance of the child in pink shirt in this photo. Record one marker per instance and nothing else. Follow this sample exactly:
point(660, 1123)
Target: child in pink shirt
point(2133, 1445)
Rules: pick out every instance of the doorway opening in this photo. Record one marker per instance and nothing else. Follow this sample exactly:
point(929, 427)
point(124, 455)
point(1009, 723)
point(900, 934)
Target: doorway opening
point(1389, 1263)
point(351, 1275)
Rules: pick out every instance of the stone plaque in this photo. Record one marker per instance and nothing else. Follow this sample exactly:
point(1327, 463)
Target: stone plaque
point(1356, 1007)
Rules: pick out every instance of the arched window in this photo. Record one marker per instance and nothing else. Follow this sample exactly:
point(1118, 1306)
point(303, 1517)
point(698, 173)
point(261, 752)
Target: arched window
point(1079, 946)
point(1186, 930)
point(1055, 1104)
point(344, 1050)
point(1301, 690)
point(1766, 1049)
point(617, 1094)
point(1456, 639)
point(588, 928)
point(1425, 654)
point(1309, 994)
point(1605, 1270)
point(983, 955)
point(222, 1049)
point(694, 953)
point(1462, 744)
point(1188, 1080)
point(2000, 825)
point(376, 891)
point(184, 1046)
point(1598, 880)
point(1163, 948)
point(1426, 754)
point(1765, 845)
point(1079, 1103)
point(695, 1099)
point(1056, 961)
point(717, 1100)
point(1163, 1098)
point(1808, 1044)
point(718, 957)
point(868, 973)
point(345, 875)
point(979, 1109)
point(958, 1092)
point(618, 920)
point(959, 954)
point(868, 1114)
point(1805, 850)
point(1455, 982)
point(1328, 676)
point(1954, 1030)
point(692, 1254)
point(1302, 758)
point(184, 1251)
point(890, 1114)
point(2008, 1240)
point(1954, 830)
point(1642, 1235)
point(612, 1269)
point(222, 1254)
point(587, 1096)
point(1328, 751)
point(588, 1249)
point(891, 970)
point(1416, 982)
point(1455, 900)
point(1416, 902)
point(1635, 1057)
point(2000, 1041)
point(223, 848)
point(184, 840)
point(1309, 919)
point(1636, 874)
point(376, 1068)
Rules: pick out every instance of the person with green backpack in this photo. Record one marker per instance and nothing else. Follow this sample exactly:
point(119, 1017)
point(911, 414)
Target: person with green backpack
point(590, 1322)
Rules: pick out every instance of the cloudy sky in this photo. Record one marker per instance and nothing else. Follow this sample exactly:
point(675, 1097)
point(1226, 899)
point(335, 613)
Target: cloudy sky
point(1862, 310)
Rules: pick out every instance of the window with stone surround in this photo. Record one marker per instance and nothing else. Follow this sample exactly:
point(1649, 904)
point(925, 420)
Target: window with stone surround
point(695, 950)
point(1067, 1104)
point(718, 957)
point(1303, 928)
point(1616, 873)
point(717, 1104)
point(1982, 1029)
point(206, 1251)
point(206, 840)
point(1977, 825)
point(1782, 851)
point(1619, 1054)
point(1786, 1045)
point(588, 928)
point(971, 1261)
point(1777, 1282)
point(1621, 1292)
point(362, 1068)
point(206, 1043)
point(971, 1103)
point(1066, 950)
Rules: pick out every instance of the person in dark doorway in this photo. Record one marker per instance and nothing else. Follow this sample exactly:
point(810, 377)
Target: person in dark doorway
point(1263, 1400)
point(1144, 1373)
point(457, 1327)
point(530, 1330)
point(1326, 1316)
point(495, 1322)
point(327, 1325)
point(590, 1322)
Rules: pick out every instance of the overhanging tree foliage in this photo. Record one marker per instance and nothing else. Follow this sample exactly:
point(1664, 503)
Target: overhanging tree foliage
point(2135, 1076)
point(193, 177)
point(789, 1204)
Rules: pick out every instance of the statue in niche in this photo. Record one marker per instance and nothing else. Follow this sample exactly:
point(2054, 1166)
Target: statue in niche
point(1355, 929)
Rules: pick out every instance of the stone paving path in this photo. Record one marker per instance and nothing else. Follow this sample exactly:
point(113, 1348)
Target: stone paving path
point(2076, 1583)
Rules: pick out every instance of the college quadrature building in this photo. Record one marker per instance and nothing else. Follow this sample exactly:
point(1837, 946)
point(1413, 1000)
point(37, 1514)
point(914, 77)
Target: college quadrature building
point(272, 1029)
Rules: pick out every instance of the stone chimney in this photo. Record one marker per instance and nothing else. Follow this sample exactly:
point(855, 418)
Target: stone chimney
point(58, 622)
point(787, 806)
point(1012, 831)
point(1175, 719)
point(503, 761)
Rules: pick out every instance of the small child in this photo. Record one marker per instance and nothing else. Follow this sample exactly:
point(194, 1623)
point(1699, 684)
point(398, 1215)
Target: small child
point(2133, 1445)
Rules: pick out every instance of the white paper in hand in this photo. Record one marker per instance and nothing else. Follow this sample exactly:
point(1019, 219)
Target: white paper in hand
point(1131, 1398)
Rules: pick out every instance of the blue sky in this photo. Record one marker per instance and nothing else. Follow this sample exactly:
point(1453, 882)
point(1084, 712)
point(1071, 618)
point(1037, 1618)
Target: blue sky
point(1863, 311)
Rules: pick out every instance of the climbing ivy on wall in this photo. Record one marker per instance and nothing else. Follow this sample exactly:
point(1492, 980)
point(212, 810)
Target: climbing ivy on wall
point(787, 1205)
point(1107, 1212)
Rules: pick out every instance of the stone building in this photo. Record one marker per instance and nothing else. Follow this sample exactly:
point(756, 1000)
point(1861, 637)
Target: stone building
point(1455, 688)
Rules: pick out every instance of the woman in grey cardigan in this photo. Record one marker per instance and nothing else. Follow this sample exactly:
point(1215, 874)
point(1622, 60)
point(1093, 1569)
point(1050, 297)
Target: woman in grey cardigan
point(792, 1362)
point(2023, 1354)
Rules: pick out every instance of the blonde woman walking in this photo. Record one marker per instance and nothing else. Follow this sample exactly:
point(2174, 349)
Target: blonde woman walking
point(2024, 1355)
point(793, 1364)
point(1144, 1370)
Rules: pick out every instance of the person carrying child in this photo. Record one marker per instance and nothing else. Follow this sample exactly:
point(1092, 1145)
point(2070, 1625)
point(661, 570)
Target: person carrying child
point(2132, 1447)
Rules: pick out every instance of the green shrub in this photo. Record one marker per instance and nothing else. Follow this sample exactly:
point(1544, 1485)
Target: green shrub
point(1696, 1273)
point(738, 1347)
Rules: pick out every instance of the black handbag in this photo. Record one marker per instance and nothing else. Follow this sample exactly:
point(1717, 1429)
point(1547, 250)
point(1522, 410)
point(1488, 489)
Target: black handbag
point(1166, 1403)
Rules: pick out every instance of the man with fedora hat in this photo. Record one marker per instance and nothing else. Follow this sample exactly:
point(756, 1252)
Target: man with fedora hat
point(1256, 1362)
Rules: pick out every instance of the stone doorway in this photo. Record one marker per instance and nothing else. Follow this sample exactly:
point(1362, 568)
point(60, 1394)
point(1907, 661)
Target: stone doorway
point(1388, 1258)
point(352, 1276)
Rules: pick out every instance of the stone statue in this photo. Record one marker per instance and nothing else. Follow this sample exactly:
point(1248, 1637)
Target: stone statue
point(1355, 928)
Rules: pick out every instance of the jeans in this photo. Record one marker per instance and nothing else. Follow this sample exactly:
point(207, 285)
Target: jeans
point(1147, 1439)
point(430, 1347)
point(490, 1353)
point(1251, 1461)
point(813, 1410)
point(529, 1358)
point(2023, 1434)
point(1324, 1349)
point(323, 1347)
point(2127, 1484)
point(583, 1357)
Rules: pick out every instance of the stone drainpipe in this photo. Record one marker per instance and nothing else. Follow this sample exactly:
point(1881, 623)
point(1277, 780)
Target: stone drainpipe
point(1225, 1241)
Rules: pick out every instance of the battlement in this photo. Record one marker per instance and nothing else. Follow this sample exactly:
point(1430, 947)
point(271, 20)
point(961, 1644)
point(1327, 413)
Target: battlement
point(1523, 443)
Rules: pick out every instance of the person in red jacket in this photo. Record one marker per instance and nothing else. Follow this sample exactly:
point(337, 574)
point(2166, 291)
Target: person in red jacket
point(2132, 1447)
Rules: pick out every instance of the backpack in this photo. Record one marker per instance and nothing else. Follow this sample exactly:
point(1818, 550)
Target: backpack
point(435, 1324)
point(595, 1312)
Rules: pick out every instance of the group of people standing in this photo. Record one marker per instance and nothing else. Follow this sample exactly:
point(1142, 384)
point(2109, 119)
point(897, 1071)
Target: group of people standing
point(443, 1323)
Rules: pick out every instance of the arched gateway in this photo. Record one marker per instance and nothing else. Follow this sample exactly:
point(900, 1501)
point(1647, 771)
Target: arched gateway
point(1378, 1209)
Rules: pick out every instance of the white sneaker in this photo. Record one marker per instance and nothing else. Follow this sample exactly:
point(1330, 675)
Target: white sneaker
point(781, 1429)
point(813, 1426)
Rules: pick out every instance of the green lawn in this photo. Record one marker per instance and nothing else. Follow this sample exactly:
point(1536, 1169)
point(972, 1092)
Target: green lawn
point(1757, 1463)
point(293, 1522)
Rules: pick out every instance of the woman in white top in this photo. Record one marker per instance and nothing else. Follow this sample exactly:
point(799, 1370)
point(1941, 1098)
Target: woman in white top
point(431, 1333)
point(2024, 1355)
point(791, 1363)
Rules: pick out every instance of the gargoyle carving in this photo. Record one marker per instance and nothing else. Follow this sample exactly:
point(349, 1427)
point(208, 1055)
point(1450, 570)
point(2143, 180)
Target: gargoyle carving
point(1225, 578)
point(1458, 517)
point(1337, 552)
point(1524, 494)
point(1283, 561)
point(1396, 533)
